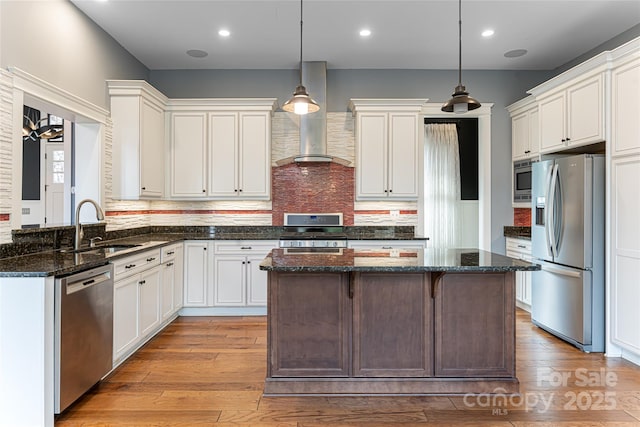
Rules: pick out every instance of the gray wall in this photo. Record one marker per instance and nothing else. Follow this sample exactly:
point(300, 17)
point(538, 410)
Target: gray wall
point(54, 41)
point(498, 87)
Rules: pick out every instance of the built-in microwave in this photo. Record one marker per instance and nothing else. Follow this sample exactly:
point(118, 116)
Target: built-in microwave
point(522, 181)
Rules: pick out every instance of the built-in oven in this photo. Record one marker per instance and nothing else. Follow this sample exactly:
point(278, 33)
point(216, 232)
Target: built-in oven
point(304, 231)
point(522, 181)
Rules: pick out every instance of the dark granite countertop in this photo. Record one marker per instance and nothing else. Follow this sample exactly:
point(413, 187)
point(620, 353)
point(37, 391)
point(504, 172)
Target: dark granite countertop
point(517, 232)
point(37, 253)
point(389, 260)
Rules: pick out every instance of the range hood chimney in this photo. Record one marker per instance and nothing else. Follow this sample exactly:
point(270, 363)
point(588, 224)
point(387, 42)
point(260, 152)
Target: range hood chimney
point(313, 127)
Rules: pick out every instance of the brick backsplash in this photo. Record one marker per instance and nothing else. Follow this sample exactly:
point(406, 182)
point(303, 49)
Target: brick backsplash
point(311, 188)
point(522, 217)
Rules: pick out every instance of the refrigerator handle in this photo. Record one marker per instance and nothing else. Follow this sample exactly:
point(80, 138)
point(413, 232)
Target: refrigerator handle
point(558, 221)
point(561, 271)
point(551, 207)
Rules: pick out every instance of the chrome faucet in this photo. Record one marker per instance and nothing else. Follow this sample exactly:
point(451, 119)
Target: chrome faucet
point(79, 231)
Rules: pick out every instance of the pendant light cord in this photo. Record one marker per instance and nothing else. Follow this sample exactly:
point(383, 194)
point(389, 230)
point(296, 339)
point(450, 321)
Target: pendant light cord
point(459, 42)
point(300, 42)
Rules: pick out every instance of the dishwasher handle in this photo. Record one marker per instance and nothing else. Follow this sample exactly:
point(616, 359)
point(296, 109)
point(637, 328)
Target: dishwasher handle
point(87, 283)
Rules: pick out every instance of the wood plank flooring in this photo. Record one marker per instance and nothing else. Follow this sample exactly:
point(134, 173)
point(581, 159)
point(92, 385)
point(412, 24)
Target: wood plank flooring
point(210, 371)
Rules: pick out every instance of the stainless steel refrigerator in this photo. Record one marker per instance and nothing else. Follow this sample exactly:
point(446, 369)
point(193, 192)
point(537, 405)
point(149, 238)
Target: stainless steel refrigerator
point(567, 240)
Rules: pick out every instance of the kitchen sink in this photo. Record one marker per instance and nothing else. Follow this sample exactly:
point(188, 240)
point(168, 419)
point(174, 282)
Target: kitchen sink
point(106, 249)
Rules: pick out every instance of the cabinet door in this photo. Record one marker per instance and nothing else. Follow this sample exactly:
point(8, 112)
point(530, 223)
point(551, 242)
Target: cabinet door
point(125, 315)
point(585, 112)
point(403, 156)
point(393, 322)
point(255, 156)
point(625, 253)
point(519, 136)
point(230, 278)
point(151, 150)
point(474, 325)
point(188, 155)
point(371, 156)
point(149, 294)
point(552, 123)
point(168, 286)
point(223, 157)
point(625, 108)
point(195, 274)
point(178, 284)
point(309, 325)
point(256, 281)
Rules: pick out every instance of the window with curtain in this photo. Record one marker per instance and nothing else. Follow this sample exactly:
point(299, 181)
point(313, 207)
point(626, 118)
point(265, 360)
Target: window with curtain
point(442, 185)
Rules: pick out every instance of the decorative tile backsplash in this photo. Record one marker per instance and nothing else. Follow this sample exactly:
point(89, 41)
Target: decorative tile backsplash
point(522, 217)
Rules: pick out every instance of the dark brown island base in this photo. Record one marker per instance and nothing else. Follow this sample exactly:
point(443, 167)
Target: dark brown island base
point(391, 322)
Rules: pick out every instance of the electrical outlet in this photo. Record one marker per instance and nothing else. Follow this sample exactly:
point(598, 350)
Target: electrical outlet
point(395, 253)
point(395, 213)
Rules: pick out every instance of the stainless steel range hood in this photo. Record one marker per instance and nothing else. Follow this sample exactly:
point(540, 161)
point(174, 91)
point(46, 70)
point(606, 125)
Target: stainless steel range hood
point(313, 127)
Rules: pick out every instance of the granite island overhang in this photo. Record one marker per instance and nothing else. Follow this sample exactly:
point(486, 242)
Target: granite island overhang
point(391, 322)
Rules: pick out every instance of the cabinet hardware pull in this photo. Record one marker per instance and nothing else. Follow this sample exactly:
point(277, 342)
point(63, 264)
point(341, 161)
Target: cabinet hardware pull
point(151, 259)
point(522, 246)
point(387, 247)
point(390, 191)
point(527, 151)
point(144, 188)
point(204, 249)
point(242, 262)
point(564, 140)
point(240, 190)
point(248, 262)
point(169, 264)
point(170, 253)
point(245, 247)
point(568, 139)
point(142, 282)
point(386, 191)
point(235, 191)
point(129, 266)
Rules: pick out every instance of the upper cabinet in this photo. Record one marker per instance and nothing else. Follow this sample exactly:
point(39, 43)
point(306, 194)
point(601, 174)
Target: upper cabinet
point(525, 139)
point(220, 149)
point(388, 147)
point(571, 109)
point(625, 106)
point(138, 115)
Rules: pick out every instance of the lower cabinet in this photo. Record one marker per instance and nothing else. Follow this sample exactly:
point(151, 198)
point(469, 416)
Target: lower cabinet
point(440, 328)
point(197, 259)
point(137, 301)
point(521, 249)
point(172, 279)
point(474, 325)
point(238, 280)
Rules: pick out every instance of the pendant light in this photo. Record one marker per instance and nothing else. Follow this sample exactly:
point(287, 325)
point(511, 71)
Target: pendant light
point(301, 102)
point(461, 101)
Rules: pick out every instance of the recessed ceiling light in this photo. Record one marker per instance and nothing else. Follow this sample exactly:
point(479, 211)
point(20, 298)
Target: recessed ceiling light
point(224, 33)
point(365, 32)
point(197, 53)
point(488, 32)
point(515, 53)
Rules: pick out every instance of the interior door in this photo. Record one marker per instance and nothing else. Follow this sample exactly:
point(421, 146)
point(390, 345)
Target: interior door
point(54, 183)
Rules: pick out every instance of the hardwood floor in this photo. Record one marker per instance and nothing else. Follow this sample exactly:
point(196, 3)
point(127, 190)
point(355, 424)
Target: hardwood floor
point(210, 371)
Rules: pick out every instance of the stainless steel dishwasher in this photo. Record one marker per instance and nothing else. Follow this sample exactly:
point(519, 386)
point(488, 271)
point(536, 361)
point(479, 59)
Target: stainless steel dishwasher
point(83, 332)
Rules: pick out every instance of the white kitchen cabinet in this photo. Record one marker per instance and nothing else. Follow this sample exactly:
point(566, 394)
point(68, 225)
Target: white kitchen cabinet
point(136, 305)
point(197, 262)
point(240, 155)
point(138, 115)
point(188, 153)
point(388, 147)
point(220, 148)
point(625, 253)
point(149, 315)
point(172, 279)
point(525, 141)
point(238, 279)
point(625, 107)
point(521, 249)
point(572, 116)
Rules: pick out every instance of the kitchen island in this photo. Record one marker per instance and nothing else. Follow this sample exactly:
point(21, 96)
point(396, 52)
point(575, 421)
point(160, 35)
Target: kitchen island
point(380, 321)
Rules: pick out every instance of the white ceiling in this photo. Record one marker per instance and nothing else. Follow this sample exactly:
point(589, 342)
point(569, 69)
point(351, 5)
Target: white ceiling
point(406, 34)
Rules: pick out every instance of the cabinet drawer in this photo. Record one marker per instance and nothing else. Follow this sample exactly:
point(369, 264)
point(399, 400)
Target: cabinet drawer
point(169, 252)
point(244, 246)
point(137, 263)
point(520, 246)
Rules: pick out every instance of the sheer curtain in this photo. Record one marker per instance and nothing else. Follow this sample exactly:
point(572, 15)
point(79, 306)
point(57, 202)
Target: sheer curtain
point(442, 185)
